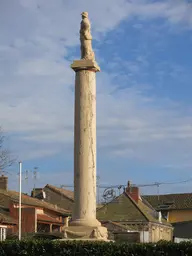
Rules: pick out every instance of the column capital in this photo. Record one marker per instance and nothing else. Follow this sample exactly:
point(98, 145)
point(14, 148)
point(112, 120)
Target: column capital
point(85, 65)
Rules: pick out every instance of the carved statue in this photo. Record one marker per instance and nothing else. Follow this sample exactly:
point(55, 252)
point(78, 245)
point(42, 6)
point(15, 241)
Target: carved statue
point(97, 234)
point(86, 38)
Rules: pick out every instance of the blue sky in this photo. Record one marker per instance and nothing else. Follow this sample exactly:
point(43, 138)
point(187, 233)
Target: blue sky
point(144, 121)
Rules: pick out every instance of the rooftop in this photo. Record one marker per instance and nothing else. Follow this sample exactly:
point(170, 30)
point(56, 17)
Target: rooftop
point(170, 201)
point(124, 208)
point(64, 192)
point(7, 195)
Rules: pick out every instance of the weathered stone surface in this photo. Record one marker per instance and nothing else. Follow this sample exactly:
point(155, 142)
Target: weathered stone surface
point(84, 224)
point(85, 65)
point(87, 52)
point(85, 233)
point(85, 150)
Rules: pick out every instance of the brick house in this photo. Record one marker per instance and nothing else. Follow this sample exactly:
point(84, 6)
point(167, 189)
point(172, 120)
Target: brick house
point(59, 196)
point(37, 215)
point(140, 221)
point(6, 223)
point(174, 207)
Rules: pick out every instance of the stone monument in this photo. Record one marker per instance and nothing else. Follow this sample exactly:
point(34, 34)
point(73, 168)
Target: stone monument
point(84, 224)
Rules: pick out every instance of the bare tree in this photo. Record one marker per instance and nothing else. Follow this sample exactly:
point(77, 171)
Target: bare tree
point(6, 159)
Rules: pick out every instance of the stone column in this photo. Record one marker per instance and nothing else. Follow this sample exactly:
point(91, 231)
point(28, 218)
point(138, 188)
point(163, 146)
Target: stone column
point(84, 213)
point(84, 224)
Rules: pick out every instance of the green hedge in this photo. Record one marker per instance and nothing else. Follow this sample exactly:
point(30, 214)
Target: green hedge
point(62, 248)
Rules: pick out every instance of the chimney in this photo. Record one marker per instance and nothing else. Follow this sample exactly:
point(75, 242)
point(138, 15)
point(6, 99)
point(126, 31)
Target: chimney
point(3, 182)
point(160, 216)
point(133, 192)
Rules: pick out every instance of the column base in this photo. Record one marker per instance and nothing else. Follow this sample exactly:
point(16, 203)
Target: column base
point(85, 223)
point(85, 233)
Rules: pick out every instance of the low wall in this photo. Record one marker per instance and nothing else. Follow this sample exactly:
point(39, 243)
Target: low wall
point(130, 237)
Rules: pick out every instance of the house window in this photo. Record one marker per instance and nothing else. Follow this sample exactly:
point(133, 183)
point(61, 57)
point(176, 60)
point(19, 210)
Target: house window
point(2, 233)
point(55, 228)
point(41, 227)
point(164, 214)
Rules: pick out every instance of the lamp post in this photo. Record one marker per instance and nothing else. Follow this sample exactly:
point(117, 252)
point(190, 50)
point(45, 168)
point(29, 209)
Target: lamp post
point(20, 178)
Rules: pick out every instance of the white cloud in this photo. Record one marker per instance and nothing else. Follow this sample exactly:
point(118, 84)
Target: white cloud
point(36, 100)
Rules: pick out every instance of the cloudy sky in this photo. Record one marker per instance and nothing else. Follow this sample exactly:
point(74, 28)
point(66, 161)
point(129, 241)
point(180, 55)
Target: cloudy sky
point(144, 109)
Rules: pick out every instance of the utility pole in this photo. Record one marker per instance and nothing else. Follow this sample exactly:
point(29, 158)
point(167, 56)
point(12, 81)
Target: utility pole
point(35, 178)
point(27, 181)
point(20, 179)
point(158, 191)
point(26, 176)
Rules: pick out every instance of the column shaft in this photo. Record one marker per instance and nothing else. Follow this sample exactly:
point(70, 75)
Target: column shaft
point(84, 212)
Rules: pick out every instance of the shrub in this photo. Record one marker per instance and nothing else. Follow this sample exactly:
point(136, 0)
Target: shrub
point(38, 235)
point(78, 248)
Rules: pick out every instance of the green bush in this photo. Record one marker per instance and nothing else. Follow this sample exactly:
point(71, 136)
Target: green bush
point(38, 235)
point(67, 248)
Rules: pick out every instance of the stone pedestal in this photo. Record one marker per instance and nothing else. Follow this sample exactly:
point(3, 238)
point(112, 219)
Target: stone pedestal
point(84, 224)
point(85, 233)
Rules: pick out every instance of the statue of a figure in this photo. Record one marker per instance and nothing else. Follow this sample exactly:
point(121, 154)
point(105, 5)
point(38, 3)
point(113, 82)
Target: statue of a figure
point(86, 38)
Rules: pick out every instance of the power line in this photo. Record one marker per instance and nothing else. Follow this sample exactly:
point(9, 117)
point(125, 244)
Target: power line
point(138, 185)
point(164, 183)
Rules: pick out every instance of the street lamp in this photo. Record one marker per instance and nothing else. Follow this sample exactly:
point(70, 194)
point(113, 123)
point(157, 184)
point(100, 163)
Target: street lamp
point(20, 178)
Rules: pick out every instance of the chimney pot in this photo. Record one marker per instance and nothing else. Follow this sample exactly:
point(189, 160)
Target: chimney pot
point(129, 184)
